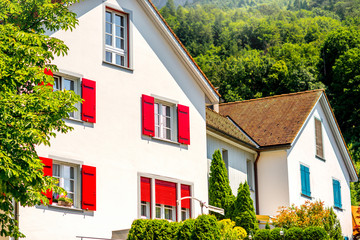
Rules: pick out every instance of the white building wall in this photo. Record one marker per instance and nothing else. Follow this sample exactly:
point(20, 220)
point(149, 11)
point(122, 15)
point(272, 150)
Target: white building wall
point(273, 185)
point(321, 171)
point(115, 144)
point(237, 158)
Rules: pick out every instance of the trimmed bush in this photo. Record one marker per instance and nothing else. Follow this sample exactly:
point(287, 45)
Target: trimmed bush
point(315, 233)
point(262, 234)
point(206, 227)
point(228, 231)
point(186, 229)
point(294, 233)
point(275, 234)
point(138, 229)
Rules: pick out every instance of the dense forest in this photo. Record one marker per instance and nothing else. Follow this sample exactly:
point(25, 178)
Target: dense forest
point(258, 48)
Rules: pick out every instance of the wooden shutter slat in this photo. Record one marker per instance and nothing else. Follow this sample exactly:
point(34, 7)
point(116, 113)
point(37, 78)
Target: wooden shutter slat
point(88, 188)
point(148, 117)
point(183, 124)
point(88, 109)
point(318, 136)
point(48, 171)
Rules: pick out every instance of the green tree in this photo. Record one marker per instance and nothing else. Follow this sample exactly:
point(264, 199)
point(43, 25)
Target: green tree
point(30, 112)
point(244, 211)
point(220, 194)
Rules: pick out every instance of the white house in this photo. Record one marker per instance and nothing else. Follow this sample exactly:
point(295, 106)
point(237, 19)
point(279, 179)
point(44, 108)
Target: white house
point(139, 139)
point(302, 154)
point(238, 150)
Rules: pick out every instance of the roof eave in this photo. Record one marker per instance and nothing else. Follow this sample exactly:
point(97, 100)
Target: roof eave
point(199, 76)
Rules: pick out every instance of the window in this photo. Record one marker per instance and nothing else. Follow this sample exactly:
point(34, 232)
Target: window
point(165, 199)
point(337, 193)
point(72, 178)
point(164, 116)
point(165, 120)
point(116, 37)
point(225, 158)
point(249, 167)
point(67, 177)
point(318, 139)
point(69, 84)
point(305, 180)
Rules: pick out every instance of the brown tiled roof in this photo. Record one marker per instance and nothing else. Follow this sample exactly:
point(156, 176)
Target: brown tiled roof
point(272, 120)
point(183, 47)
point(226, 127)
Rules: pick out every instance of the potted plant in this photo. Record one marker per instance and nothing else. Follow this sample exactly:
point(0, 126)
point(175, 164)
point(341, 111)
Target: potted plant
point(65, 201)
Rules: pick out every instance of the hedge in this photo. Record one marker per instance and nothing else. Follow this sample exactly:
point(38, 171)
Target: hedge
point(262, 234)
point(205, 227)
point(294, 233)
point(275, 234)
point(315, 233)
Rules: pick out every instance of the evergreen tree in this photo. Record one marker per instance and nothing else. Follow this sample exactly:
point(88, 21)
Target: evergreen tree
point(171, 6)
point(220, 194)
point(244, 211)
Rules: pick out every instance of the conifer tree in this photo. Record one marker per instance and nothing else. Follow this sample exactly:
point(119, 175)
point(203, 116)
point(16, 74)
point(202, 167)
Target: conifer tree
point(220, 194)
point(244, 212)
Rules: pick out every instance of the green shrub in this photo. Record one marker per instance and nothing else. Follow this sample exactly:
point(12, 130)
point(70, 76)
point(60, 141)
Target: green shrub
point(315, 233)
point(294, 233)
point(275, 234)
point(138, 229)
point(206, 227)
point(228, 231)
point(262, 234)
point(186, 229)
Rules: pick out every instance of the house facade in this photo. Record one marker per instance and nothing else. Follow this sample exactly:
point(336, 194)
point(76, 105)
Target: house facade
point(139, 138)
point(302, 154)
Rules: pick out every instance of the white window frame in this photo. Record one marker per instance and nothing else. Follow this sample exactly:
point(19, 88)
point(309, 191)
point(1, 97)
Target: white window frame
point(250, 174)
point(112, 50)
point(186, 212)
point(163, 209)
point(61, 78)
point(160, 125)
point(146, 205)
point(151, 206)
point(76, 179)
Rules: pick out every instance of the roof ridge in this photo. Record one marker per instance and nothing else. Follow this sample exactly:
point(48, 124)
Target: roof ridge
point(275, 96)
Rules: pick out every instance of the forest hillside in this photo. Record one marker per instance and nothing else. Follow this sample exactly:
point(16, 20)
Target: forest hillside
point(258, 48)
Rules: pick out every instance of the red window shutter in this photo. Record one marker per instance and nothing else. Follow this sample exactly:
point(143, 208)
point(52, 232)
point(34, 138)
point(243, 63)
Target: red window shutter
point(185, 192)
point(165, 193)
point(88, 188)
point(183, 124)
point(48, 171)
point(148, 117)
point(145, 189)
point(88, 111)
point(50, 73)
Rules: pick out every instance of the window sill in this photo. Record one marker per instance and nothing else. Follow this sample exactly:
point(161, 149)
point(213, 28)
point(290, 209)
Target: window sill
point(338, 208)
point(66, 210)
point(320, 158)
point(166, 140)
point(119, 66)
point(306, 196)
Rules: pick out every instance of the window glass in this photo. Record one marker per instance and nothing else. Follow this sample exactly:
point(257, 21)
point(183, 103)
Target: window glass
point(163, 121)
point(66, 176)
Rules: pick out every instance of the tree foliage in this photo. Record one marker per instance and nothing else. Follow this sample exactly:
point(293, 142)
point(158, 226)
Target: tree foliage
point(307, 215)
point(220, 194)
point(30, 112)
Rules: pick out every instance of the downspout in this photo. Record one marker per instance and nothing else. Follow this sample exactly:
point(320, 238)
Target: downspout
point(256, 183)
point(16, 211)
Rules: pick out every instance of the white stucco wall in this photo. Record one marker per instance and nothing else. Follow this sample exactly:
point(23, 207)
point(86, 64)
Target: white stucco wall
point(115, 144)
point(321, 171)
point(237, 158)
point(273, 185)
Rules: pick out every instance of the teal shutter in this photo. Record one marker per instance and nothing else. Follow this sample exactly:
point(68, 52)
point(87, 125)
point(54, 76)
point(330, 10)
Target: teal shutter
point(337, 193)
point(305, 180)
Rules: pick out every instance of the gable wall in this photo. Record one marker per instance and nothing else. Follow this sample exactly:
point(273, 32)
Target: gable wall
point(321, 171)
point(237, 160)
point(115, 144)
